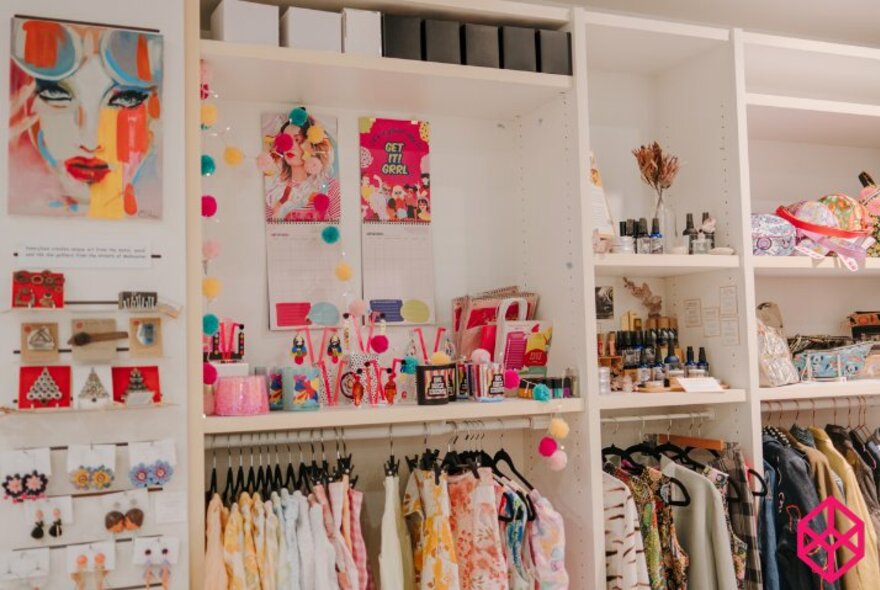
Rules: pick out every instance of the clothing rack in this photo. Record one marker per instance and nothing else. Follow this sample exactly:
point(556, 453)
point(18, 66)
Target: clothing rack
point(705, 415)
point(828, 403)
point(427, 429)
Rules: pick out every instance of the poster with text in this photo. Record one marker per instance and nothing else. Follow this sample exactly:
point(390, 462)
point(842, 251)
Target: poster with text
point(395, 171)
point(85, 126)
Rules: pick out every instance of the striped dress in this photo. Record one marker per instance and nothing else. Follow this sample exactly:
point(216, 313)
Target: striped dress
point(625, 567)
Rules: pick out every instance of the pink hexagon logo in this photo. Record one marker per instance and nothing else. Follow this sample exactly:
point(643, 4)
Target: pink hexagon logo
point(831, 539)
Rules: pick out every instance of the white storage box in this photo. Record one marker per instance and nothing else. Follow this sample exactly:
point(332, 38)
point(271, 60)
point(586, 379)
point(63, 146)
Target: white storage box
point(233, 369)
point(245, 22)
point(362, 32)
point(311, 29)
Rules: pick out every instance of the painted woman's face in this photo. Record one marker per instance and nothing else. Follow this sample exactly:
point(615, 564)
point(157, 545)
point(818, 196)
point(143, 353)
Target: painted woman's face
point(87, 125)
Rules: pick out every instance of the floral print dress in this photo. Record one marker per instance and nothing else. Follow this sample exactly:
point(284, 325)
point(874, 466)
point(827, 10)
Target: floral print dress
point(475, 527)
point(426, 507)
point(675, 560)
point(233, 549)
point(547, 541)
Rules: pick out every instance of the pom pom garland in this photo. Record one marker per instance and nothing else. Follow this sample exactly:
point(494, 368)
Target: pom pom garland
point(266, 164)
point(343, 271)
point(210, 249)
point(208, 115)
point(558, 428)
point(408, 366)
point(282, 143)
point(557, 461)
point(379, 343)
point(541, 393)
point(321, 203)
point(481, 356)
point(315, 134)
point(440, 358)
point(298, 116)
point(547, 446)
point(209, 167)
point(209, 374)
point(357, 308)
point(210, 324)
point(209, 206)
point(233, 156)
point(211, 287)
point(330, 234)
point(511, 379)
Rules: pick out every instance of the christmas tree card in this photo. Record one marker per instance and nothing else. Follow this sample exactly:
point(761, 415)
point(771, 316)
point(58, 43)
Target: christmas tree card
point(92, 387)
point(136, 386)
point(43, 387)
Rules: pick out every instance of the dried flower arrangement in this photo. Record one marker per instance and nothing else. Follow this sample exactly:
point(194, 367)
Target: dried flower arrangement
point(653, 303)
point(658, 170)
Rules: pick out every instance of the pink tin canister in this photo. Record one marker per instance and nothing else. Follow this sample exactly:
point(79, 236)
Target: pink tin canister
point(241, 396)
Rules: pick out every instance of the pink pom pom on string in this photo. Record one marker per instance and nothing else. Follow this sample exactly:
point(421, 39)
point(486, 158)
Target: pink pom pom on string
point(321, 203)
point(481, 356)
point(209, 206)
point(210, 249)
point(379, 343)
point(557, 461)
point(209, 374)
point(282, 143)
point(511, 379)
point(547, 446)
point(265, 163)
point(357, 308)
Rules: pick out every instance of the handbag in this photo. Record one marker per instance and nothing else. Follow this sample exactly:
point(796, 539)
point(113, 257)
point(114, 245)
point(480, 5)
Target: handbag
point(835, 364)
point(775, 367)
point(772, 235)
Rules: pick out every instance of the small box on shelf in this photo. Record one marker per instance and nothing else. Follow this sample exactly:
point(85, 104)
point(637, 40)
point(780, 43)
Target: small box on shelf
point(554, 52)
point(362, 32)
point(442, 41)
point(401, 36)
point(237, 21)
point(518, 50)
point(311, 29)
point(480, 46)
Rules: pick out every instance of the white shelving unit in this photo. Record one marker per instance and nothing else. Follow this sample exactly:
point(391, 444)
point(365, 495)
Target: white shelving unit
point(757, 120)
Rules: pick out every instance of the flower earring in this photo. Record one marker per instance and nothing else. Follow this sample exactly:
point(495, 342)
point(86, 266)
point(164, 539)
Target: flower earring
point(153, 475)
point(38, 531)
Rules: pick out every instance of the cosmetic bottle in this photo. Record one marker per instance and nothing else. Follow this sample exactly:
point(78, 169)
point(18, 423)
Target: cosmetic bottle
point(658, 371)
point(612, 343)
point(672, 364)
point(702, 363)
point(651, 346)
point(624, 243)
point(644, 372)
point(689, 364)
point(656, 237)
point(710, 235)
point(690, 232)
point(644, 243)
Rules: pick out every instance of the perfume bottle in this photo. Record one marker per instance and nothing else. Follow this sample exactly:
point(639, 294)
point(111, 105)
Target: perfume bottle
point(656, 237)
point(643, 241)
point(710, 235)
point(702, 363)
point(690, 232)
point(690, 365)
point(625, 243)
point(644, 371)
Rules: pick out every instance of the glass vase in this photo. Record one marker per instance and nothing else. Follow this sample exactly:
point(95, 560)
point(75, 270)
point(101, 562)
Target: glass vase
point(664, 212)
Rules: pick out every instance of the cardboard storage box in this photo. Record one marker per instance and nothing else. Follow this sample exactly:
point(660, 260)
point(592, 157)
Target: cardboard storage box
point(237, 21)
point(311, 29)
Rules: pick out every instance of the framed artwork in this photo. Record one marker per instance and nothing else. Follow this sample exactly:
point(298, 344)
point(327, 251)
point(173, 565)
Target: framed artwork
point(145, 337)
point(39, 342)
point(39, 290)
point(136, 386)
point(85, 131)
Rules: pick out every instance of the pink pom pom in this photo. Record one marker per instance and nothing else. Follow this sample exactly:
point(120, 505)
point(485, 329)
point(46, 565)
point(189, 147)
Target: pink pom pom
point(283, 142)
point(557, 461)
point(511, 379)
point(547, 446)
point(321, 203)
point(209, 374)
point(209, 206)
point(357, 308)
point(265, 163)
point(210, 249)
point(481, 356)
point(379, 343)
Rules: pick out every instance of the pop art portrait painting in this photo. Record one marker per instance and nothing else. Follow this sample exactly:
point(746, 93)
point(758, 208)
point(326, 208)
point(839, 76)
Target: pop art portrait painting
point(85, 121)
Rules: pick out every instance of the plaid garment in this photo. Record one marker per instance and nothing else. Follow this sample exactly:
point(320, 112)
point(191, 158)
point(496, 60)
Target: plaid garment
point(743, 514)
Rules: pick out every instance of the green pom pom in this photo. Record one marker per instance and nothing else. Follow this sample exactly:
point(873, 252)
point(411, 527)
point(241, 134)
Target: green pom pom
point(298, 116)
point(210, 324)
point(208, 165)
point(330, 234)
point(541, 393)
point(409, 365)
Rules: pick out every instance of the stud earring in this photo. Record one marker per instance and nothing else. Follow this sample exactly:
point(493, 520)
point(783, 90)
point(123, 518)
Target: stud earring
point(134, 519)
point(114, 521)
point(55, 530)
point(38, 532)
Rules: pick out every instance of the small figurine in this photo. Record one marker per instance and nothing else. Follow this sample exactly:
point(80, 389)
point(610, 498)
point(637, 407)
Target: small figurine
point(298, 349)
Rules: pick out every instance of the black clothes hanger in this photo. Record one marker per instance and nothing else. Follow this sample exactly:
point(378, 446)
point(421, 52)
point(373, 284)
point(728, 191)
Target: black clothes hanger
point(762, 493)
point(290, 479)
point(502, 456)
point(686, 500)
point(212, 483)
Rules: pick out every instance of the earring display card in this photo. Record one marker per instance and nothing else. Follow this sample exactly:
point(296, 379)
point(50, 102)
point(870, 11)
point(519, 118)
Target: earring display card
point(136, 386)
point(43, 387)
point(152, 452)
point(92, 387)
point(160, 549)
point(94, 352)
point(90, 551)
point(145, 337)
point(40, 290)
point(127, 504)
point(26, 461)
point(91, 456)
point(24, 565)
point(48, 506)
point(39, 342)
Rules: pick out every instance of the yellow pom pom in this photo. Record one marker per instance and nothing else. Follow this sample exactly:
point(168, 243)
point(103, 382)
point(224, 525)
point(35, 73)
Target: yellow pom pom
point(343, 271)
point(440, 358)
point(315, 134)
point(211, 287)
point(233, 156)
point(558, 428)
point(209, 114)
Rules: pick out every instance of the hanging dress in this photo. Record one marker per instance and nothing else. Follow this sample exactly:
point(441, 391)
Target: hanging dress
point(440, 565)
point(215, 569)
point(233, 549)
point(304, 541)
point(547, 542)
point(323, 552)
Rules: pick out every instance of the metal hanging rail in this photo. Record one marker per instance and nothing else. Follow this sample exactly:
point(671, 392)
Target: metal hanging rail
point(826, 403)
point(418, 429)
point(706, 415)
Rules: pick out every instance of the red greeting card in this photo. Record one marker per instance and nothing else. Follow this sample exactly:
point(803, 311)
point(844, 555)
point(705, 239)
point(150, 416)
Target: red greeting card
point(43, 387)
point(136, 386)
point(42, 290)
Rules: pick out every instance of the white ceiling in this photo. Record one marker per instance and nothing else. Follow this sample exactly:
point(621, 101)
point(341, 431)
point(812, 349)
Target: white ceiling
point(850, 21)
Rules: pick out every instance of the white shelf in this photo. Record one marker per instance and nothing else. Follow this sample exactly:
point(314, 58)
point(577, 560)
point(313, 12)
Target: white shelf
point(807, 120)
point(371, 84)
point(399, 414)
point(661, 265)
point(628, 401)
point(804, 266)
point(814, 390)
